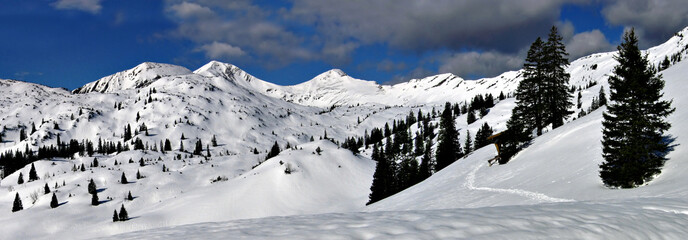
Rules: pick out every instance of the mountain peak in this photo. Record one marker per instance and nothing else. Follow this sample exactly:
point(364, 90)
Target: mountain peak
point(140, 76)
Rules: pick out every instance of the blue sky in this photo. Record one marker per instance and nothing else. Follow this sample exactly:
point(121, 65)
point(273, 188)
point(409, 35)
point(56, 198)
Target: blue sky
point(67, 43)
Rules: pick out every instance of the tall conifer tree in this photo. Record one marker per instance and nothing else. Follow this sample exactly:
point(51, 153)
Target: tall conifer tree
point(448, 147)
point(633, 143)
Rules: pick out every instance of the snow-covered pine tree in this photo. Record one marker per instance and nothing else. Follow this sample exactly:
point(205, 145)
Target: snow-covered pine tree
point(20, 179)
point(448, 147)
point(633, 142)
point(129, 197)
point(124, 179)
point(115, 217)
point(17, 206)
point(46, 189)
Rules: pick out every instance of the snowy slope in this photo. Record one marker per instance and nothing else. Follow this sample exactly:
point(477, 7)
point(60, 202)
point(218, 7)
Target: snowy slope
point(549, 190)
point(243, 112)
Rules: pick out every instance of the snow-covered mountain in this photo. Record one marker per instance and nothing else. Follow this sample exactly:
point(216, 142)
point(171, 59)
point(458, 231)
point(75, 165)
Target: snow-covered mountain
point(245, 113)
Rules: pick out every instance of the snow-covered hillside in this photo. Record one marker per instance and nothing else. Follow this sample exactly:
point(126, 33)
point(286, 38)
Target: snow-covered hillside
point(557, 173)
point(549, 190)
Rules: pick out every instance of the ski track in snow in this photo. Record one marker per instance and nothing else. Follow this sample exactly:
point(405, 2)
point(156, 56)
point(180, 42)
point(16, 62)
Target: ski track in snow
point(470, 184)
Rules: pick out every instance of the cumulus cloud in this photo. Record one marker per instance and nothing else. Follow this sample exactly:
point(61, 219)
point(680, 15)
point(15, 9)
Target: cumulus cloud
point(485, 64)
point(190, 10)
point(91, 6)
point(247, 27)
point(586, 43)
point(654, 20)
point(218, 50)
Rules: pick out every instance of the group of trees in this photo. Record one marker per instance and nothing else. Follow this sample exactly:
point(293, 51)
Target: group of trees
point(542, 97)
point(404, 159)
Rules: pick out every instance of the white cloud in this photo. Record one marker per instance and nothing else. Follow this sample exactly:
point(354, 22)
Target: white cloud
point(586, 43)
point(91, 6)
point(654, 20)
point(190, 10)
point(218, 50)
point(485, 64)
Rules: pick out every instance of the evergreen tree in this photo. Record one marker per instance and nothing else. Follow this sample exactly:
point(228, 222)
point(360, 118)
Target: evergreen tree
point(380, 187)
point(53, 202)
point(33, 176)
point(470, 117)
point(94, 199)
point(46, 189)
point(17, 206)
point(468, 146)
point(127, 132)
point(481, 136)
point(213, 141)
point(141, 163)
point(274, 151)
point(22, 135)
point(448, 148)
point(199, 148)
point(115, 217)
point(181, 146)
point(92, 187)
point(633, 142)
point(129, 197)
point(95, 162)
point(425, 168)
point(420, 148)
point(33, 128)
point(20, 179)
point(138, 174)
point(557, 96)
point(516, 137)
point(168, 145)
point(601, 97)
point(123, 215)
point(124, 179)
point(530, 93)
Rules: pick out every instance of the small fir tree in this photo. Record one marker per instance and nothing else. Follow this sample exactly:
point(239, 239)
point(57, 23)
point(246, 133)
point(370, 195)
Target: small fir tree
point(94, 199)
point(124, 179)
point(17, 206)
point(53, 202)
point(33, 176)
point(46, 189)
point(123, 215)
point(92, 187)
point(20, 179)
point(115, 217)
